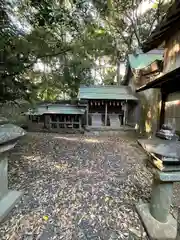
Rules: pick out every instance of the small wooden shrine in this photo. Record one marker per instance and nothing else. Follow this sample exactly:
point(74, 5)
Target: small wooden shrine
point(56, 116)
point(107, 106)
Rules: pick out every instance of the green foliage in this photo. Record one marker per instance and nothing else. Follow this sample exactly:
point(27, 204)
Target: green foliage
point(130, 27)
point(67, 38)
point(13, 60)
point(109, 77)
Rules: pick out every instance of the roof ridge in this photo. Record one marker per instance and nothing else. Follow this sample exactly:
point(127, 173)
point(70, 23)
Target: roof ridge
point(98, 86)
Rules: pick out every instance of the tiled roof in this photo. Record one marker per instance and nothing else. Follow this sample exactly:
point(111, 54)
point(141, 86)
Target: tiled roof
point(111, 92)
point(143, 60)
point(56, 109)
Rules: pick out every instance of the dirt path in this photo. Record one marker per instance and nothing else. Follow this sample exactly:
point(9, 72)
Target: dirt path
point(75, 187)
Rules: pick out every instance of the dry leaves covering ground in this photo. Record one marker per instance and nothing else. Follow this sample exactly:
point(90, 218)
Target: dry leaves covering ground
point(75, 187)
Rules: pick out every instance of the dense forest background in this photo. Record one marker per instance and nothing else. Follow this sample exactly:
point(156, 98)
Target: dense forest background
point(49, 47)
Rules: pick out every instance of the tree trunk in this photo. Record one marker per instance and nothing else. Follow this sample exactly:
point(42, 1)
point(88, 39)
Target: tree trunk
point(118, 72)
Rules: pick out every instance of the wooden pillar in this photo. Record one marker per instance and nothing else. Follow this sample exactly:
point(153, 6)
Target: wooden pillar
point(125, 111)
point(30, 123)
point(50, 121)
point(47, 121)
point(73, 119)
point(105, 113)
point(87, 115)
point(162, 110)
point(58, 125)
point(60, 120)
point(65, 121)
point(80, 121)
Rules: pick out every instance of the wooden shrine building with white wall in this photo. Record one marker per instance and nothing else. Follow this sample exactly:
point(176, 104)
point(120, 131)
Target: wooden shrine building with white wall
point(107, 106)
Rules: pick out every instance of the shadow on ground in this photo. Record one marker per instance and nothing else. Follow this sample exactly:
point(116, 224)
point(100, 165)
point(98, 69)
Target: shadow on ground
point(76, 187)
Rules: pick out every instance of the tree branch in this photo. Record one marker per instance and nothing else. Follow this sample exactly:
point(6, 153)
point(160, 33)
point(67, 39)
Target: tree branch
point(54, 54)
point(134, 29)
point(31, 64)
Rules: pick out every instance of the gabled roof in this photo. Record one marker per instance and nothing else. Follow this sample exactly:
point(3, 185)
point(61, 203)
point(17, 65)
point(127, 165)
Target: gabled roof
point(73, 102)
point(111, 92)
point(56, 109)
point(140, 61)
point(169, 25)
point(143, 60)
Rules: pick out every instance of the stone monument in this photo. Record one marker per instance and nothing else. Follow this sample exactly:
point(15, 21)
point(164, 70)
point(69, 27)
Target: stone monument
point(164, 156)
point(9, 135)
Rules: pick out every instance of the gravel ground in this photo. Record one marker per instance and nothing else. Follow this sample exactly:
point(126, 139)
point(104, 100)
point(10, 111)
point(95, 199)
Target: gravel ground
point(75, 187)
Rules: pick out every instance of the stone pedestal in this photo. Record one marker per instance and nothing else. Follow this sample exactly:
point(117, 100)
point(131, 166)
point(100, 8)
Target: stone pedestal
point(164, 156)
point(155, 229)
point(8, 198)
point(161, 200)
point(157, 220)
point(9, 134)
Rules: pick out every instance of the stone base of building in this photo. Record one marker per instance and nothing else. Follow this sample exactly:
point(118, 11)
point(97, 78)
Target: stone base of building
point(8, 202)
point(155, 229)
point(109, 128)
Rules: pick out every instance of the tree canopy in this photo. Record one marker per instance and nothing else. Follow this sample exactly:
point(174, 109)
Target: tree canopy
point(48, 48)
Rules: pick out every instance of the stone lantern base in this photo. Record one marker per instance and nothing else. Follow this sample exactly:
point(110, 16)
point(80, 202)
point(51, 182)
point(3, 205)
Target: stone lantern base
point(8, 198)
point(155, 229)
point(9, 135)
point(8, 202)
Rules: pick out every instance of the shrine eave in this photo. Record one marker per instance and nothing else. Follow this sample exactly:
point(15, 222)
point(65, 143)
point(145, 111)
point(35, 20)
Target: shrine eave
point(56, 109)
point(106, 93)
point(168, 80)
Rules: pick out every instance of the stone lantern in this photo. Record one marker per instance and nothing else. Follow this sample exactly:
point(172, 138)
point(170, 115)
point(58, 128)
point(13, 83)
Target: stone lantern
point(164, 156)
point(9, 135)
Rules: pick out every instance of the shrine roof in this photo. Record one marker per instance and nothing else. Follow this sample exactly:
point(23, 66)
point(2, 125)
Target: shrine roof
point(168, 81)
point(143, 60)
point(56, 109)
point(165, 29)
point(111, 92)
